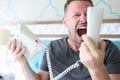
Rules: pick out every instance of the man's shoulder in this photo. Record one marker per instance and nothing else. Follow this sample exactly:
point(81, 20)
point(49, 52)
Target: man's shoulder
point(61, 40)
point(109, 43)
point(58, 46)
point(58, 43)
point(110, 46)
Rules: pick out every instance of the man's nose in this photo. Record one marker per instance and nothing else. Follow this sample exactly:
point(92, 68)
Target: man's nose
point(83, 19)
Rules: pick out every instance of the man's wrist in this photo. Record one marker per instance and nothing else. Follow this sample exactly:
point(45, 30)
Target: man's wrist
point(100, 74)
point(28, 71)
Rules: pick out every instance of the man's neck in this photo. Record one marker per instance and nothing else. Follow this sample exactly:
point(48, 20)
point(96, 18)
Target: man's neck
point(73, 45)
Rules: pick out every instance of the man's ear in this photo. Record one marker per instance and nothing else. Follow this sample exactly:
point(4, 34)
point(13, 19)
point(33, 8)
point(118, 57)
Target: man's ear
point(64, 21)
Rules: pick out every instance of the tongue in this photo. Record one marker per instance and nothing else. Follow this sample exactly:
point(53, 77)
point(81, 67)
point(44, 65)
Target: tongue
point(81, 31)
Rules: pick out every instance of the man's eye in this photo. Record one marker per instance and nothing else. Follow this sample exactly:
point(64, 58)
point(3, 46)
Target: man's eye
point(85, 14)
point(77, 15)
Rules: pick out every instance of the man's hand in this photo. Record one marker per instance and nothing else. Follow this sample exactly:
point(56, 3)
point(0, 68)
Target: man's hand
point(17, 51)
point(92, 56)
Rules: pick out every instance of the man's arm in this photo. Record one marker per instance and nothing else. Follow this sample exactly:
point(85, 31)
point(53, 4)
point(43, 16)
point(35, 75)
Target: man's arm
point(103, 75)
point(41, 75)
point(115, 76)
point(95, 60)
point(100, 74)
point(17, 52)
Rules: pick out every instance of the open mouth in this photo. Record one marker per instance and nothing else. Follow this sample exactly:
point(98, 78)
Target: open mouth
point(80, 32)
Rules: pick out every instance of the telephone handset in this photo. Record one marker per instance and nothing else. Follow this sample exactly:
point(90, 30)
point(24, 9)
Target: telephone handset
point(30, 41)
point(34, 45)
point(94, 20)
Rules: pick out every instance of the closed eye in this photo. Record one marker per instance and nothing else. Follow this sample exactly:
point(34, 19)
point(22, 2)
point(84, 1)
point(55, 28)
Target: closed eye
point(76, 15)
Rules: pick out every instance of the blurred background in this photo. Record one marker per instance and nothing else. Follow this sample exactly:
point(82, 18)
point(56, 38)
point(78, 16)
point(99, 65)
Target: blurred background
point(43, 18)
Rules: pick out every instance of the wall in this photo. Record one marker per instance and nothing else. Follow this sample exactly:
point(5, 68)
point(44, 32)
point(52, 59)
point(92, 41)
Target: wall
point(47, 10)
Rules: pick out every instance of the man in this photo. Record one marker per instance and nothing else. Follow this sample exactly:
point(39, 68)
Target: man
point(100, 62)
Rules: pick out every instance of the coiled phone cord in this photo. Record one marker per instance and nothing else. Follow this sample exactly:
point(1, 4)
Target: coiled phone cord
point(73, 66)
point(49, 63)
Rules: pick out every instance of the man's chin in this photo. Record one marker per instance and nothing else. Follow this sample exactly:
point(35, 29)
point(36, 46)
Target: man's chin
point(79, 39)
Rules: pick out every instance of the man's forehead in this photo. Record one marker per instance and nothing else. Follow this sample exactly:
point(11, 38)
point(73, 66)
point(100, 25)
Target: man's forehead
point(82, 5)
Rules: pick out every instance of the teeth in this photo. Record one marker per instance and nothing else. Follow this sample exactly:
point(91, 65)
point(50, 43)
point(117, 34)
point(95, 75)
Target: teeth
point(82, 28)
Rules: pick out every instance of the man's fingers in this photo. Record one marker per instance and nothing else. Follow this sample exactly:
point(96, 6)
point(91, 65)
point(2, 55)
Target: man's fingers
point(102, 45)
point(18, 48)
point(84, 48)
point(21, 52)
point(89, 42)
point(12, 46)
